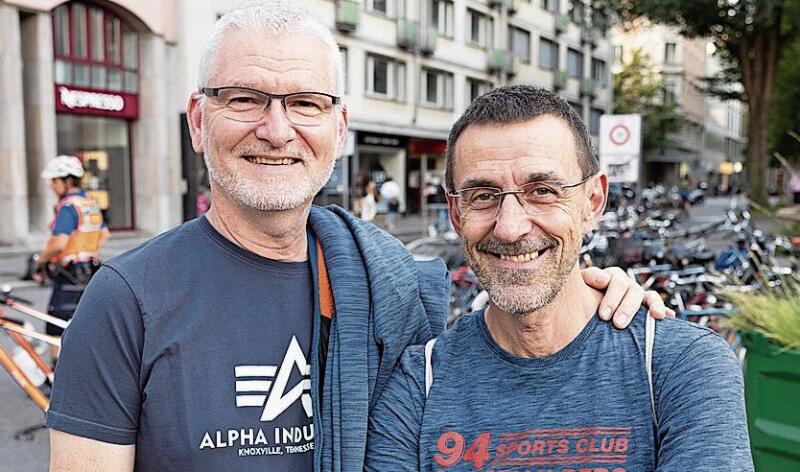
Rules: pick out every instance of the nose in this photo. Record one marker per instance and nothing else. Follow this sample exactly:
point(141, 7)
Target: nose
point(275, 126)
point(512, 222)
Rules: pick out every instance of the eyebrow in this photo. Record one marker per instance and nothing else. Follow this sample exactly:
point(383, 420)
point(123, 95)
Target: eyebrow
point(479, 182)
point(543, 177)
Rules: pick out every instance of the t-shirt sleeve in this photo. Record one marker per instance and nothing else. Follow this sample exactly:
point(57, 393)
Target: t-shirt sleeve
point(66, 220)
point(96, 392)
point(701, 412)
point(395, 421)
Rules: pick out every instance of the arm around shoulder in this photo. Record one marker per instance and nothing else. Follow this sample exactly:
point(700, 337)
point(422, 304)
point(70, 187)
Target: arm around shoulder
point(701, 412)
point(70, 453)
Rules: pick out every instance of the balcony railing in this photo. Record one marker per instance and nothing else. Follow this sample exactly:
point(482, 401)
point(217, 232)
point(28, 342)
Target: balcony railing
point(589, 35)
point(407, 33)
point(501, 60)
point(348, 15)
point(427, 41)
point(560, 79)
point(562, 23)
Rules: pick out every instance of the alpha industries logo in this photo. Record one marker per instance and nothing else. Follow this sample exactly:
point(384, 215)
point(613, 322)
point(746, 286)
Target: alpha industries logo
point(265, 386)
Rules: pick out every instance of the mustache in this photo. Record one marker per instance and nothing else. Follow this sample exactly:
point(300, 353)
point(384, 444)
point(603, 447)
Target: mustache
point(290, 151)
point(494, 246)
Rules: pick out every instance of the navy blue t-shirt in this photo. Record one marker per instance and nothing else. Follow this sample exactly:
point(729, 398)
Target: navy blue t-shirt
point(584, 408)
point(195, 350)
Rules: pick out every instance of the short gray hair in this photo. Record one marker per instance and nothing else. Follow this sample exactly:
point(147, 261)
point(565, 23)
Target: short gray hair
point(518, 104)
point(277, 17)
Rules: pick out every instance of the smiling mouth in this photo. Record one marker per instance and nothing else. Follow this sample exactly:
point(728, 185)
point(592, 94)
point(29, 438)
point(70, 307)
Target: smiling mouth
point(271, 161)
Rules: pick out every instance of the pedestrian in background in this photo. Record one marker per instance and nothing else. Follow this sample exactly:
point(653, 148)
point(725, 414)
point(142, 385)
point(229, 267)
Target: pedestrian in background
point(368, 203)
point(71, 253)
point(390, 192)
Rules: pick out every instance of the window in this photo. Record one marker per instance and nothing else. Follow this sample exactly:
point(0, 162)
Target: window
point(476, 88)
point(379, 6)
point(576, 12)
point(599, 72)
point(385, 77)
point(519, 42)
point(481, 29)
point(574, 63)
point(436, 88)
point(94, 48)
point(669, 53)
point(594, 120)
point(551, 5)
point(548, 54)
point(619, 51)
point(442, 16)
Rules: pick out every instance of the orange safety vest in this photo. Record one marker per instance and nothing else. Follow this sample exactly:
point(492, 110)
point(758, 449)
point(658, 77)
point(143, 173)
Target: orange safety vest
point(84, 242)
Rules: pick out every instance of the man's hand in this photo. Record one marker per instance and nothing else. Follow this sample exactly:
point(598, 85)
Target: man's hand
point(623, 296)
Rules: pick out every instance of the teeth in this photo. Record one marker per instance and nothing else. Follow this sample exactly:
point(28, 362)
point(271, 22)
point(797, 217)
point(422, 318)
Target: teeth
point(520, 257)
point(271, 161)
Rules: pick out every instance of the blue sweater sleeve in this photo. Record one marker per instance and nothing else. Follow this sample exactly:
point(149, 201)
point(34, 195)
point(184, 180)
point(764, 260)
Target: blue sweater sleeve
point(395, 421)
point(96, 393)
point(700, 408)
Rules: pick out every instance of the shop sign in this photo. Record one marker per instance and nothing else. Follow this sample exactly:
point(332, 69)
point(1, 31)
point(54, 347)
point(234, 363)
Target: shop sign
point(374, 139)
point(91, 102)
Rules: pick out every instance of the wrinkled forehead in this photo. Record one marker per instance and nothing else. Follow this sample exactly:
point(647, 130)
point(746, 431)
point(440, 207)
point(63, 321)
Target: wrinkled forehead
point(516, 154)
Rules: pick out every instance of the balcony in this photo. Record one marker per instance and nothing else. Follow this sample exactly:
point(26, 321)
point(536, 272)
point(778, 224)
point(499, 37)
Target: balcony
point(501, 60)
point(511, 5)
point(348, 15)
point(588, 87)
point(427, 40)
point(589, 36)
point(407, 33)
point(562, 23)
point(560, 78)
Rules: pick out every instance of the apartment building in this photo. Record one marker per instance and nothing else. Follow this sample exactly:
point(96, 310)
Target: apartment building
point(711, 138)
point(109, 81)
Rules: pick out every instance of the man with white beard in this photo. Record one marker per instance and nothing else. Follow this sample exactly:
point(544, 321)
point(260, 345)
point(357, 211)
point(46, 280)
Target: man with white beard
point(255, 337)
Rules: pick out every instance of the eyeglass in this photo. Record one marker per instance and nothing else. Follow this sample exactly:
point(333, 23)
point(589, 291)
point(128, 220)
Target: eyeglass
point(537, 198)
point(249, 105)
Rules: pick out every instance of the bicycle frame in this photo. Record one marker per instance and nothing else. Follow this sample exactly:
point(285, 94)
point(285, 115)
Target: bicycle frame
point(24, 382)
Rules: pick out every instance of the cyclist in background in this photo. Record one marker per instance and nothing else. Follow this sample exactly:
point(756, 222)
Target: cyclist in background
point(70, 255)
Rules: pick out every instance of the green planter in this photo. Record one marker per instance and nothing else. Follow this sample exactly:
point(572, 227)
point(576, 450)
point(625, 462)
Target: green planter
point(772, 395)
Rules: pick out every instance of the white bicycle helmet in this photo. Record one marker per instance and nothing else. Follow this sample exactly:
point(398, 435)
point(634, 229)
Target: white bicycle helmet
point(63, 166)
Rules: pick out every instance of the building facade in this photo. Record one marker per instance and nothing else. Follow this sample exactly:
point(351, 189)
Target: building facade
point(109, 82)
point(711, 138)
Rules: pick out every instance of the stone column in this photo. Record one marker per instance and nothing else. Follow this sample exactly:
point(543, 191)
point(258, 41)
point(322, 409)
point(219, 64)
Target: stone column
point(13, 176)
point(40, 114)
point(156, 139)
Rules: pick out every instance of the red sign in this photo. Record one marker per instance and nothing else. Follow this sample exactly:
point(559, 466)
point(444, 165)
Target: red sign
point(619, 135)
point(82, 101)
point(425, 146)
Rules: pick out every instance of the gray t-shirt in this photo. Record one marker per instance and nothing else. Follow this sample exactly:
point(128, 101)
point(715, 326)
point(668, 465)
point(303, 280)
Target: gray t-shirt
point(584, 408)
point(196, 351)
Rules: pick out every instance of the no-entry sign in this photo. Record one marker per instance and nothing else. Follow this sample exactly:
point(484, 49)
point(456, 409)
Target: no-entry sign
point(621, 147)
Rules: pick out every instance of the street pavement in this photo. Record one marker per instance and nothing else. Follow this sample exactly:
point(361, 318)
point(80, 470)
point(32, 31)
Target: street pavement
point(17, 412)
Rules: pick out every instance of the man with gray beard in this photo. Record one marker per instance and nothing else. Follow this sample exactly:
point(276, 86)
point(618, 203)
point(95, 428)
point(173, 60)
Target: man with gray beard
point(255, 337)
point(535, 382)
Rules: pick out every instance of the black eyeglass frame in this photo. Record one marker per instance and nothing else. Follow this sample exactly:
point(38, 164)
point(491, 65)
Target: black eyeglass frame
point(214, 92)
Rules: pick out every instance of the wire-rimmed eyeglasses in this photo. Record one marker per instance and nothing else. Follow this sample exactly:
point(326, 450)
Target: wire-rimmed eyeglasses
point(537, 198)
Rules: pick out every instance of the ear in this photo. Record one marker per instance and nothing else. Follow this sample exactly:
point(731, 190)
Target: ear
point(452, 206)
point(341, 130)
point(596, 204)
point(194, 117)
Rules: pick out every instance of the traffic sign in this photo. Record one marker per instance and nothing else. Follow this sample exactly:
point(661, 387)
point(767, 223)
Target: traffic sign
point(620, 147)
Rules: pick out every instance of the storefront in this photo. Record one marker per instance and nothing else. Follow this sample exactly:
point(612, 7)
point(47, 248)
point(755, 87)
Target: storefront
point(96, 75)
point(426, 166)
point(380, 157)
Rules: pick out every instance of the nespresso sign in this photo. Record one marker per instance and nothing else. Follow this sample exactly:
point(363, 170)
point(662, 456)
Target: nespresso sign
point(90, 102)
